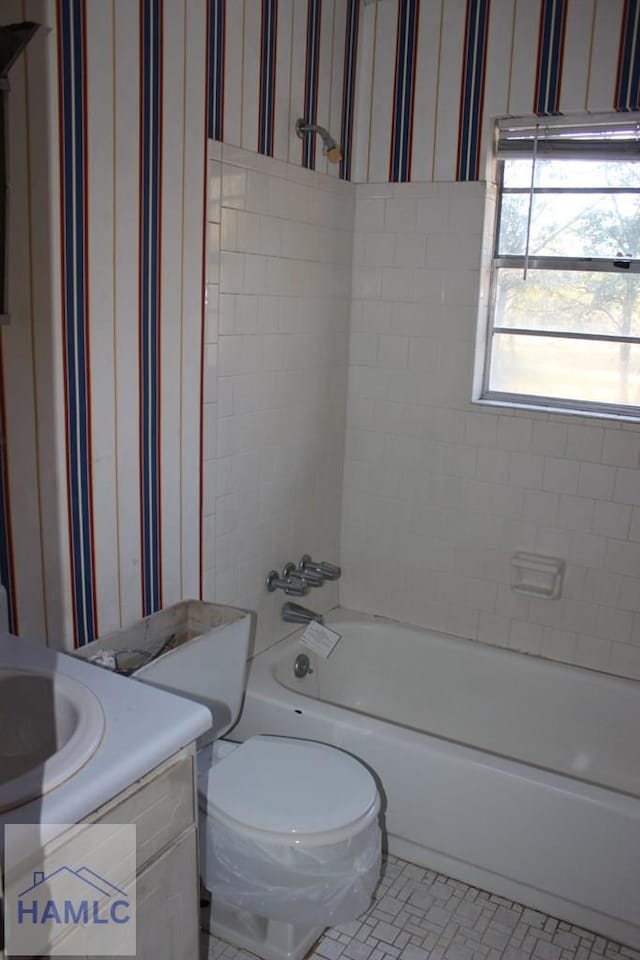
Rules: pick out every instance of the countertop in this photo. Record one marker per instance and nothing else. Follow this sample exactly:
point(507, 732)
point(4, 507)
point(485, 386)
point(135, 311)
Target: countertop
point(143, 727)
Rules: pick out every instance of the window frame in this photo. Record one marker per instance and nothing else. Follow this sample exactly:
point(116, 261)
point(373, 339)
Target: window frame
point(616, 267)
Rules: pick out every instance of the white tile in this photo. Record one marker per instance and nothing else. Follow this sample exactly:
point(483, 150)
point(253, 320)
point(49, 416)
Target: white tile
point(366, 283)
point(587, 550)
point(541, 506)
point(423, 354)
point(592, 652)
point(494, 629)
point(602, 587)
point(558, 644)
point(514, 433)
point(481, 429)
point(214, 184)
point(621, 448)
point(611, 519)
point(369, 214)
point(233, 187)
point(622, 557)
point(625, 659)
point(379, 250)
point(231, 272)
point(614, 625)
point(363, 349)
point(576, 513)
point(428, 287)
point(596, 480)
point(493, 466)
point(627, 488)
point(432, 215)
point(560, 476)
point(396, 283)
point(400, 215)
point(584, 443)
point(393, 352)
point(410, 250)
point(549, 438)
point(525, 470)
point(526, 637)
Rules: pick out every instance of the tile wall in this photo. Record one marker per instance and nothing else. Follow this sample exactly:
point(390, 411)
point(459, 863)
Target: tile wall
point(278, 297)
point(438, 492)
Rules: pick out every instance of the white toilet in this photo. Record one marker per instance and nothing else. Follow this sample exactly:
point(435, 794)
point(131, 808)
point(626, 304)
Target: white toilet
point(289, 829)
point(289, 841)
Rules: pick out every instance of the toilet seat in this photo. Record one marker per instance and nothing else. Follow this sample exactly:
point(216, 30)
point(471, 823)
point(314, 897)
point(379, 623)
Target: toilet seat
point(289, 788)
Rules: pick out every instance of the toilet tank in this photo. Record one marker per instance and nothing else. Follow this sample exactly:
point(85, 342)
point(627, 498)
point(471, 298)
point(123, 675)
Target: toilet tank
point(199, 650)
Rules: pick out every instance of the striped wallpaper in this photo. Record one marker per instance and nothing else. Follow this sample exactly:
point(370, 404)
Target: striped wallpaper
point(150, 306)
point(74, 215)
point(415, 82)
point(100, 386)
point(99, 473)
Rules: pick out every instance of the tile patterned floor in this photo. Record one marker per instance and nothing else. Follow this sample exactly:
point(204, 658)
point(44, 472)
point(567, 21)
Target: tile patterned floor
point(420, 915)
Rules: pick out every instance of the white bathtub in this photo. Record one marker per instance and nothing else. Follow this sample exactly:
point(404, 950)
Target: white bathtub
point(515, 774)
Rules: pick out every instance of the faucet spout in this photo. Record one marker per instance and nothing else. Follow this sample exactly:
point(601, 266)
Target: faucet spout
point(296, 613)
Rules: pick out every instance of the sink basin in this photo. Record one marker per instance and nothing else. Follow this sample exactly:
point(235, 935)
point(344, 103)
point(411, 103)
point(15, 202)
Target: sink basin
point(51, 725)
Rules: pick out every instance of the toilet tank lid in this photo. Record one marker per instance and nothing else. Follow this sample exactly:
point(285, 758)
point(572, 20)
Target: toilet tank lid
point(290, 786)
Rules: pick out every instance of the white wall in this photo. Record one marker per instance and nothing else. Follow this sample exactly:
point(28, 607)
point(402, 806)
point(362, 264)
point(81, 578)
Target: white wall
point(438, 492)
point(275, 376)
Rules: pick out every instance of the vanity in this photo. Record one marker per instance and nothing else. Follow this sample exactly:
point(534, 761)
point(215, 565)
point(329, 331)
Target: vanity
point(135, 765)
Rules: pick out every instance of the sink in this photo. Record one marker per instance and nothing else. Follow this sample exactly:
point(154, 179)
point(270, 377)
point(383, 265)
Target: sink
point(51, 726)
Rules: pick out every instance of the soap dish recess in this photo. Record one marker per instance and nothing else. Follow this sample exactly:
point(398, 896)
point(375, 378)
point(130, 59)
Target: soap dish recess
point(536, 575)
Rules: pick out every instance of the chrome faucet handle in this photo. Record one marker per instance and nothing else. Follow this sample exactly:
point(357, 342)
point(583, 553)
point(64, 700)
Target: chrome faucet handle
point(327, 570)
point(291, 572)
point(293, 588)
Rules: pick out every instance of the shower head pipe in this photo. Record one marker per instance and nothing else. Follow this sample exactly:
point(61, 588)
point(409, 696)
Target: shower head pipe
point(330, 148)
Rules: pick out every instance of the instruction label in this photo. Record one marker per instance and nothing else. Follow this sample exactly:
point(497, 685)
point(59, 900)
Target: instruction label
point(320, 639)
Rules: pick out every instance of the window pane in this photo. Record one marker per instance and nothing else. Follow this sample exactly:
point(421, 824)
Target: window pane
point(571, 225)
point(566, 369)
point(569, 300)
point(573, 173)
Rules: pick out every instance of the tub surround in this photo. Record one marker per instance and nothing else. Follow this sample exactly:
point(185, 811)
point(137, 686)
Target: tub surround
point(439, 493)
point(141, 732)
point(463, 797)
point(279, 283)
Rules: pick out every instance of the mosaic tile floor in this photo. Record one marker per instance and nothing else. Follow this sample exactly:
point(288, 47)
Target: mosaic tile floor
point(420, 915)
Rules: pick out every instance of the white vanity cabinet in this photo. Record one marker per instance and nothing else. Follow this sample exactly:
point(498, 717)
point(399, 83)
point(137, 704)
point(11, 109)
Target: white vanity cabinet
point(163, 807)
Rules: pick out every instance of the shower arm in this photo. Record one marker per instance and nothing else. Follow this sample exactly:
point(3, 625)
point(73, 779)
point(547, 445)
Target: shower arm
point(329, 146)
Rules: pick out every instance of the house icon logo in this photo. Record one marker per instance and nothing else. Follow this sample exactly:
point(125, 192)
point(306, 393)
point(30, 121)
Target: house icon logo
point(69, 890)
point(69, 897)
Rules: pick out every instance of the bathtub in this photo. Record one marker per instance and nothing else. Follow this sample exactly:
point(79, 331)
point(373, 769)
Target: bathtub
point(508, 772)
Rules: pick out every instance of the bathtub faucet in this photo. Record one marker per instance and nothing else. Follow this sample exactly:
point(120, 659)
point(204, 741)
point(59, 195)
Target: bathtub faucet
point(291, 572)
point(328, 571)
point(295, 613)
point(293, 588)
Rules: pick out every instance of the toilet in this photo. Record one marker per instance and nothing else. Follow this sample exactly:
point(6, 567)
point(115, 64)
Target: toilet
point(290, 840)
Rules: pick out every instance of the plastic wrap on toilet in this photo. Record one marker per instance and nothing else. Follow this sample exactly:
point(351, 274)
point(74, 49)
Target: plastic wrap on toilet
point(319, 885)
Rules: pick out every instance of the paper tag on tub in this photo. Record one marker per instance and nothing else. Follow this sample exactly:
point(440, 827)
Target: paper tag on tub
point(319, 638)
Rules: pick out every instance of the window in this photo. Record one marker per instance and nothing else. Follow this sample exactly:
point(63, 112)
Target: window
point(564, 315)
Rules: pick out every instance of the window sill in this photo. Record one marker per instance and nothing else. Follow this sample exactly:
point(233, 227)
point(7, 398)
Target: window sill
point(525, 405)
